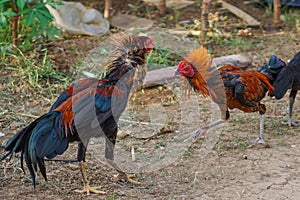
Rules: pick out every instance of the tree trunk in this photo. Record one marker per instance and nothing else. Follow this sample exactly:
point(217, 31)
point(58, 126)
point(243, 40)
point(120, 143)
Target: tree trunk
point(108, 7)
point(162, 7)
point(276, 13)
point(15, 25)
point(204, 18)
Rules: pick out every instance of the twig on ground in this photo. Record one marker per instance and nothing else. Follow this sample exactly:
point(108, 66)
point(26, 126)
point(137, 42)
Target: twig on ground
point(27, 115)
point(286, 181)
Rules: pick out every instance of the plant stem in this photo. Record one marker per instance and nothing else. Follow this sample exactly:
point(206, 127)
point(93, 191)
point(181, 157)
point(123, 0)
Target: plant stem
point(14, 26)
point(108, 7)
point(162, 7)
point(276, 13)
point(204, 16)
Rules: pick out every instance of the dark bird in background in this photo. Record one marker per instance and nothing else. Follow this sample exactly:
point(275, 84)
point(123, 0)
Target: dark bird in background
point(229, 86)
point(289, 78)
point(87, 108)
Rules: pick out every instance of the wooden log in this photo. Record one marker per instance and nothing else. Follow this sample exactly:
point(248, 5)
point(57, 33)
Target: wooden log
point(167, 75)
point(197, 33)
point(238, 12)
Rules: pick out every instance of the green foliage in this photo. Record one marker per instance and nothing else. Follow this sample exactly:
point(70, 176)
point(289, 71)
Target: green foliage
point(113, 197)
point(36, 73)
point(269, 9)
point(236, 44)
point(291, 17)
point(162, 57)
point(281, 143)
point(34, 20)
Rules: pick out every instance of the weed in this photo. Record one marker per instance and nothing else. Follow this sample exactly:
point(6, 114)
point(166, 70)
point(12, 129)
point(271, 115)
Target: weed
point(238, 144)
point(176, 16)
point(162, 57)
point(238, 43)
point(291, 17)
point(35, 72)
point(239, 120)
point(264, 176)
point(287, 154)
point(113, 197)
point(160, 145)
point(269, 9)
point(281, 143)
point(277, 133)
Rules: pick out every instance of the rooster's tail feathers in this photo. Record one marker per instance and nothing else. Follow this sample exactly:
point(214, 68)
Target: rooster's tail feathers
point(38, 140)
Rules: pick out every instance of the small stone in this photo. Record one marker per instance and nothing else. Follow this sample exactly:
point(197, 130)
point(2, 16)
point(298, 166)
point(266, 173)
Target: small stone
point(2, 134)
point(92, 142)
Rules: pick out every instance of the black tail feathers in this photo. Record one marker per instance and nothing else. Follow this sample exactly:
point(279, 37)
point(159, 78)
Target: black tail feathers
point(42, 138)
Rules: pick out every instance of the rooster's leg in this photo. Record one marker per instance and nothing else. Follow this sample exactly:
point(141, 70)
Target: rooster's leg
point(87, 188)
point(109, 155)
point(82, 166)
point(202, 130)
point(292, 97)
point(122, 174)
point(260, 139)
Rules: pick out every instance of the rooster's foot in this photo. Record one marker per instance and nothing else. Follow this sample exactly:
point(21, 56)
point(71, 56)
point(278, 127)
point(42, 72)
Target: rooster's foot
point(259, 141)
point(290, 123)
point(128, 178)
point(87, 189)
point(195, 135)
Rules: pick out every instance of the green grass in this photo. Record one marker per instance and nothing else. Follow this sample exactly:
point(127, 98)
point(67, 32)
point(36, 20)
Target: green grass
point(238, 144)
point(113, 197)
point(291, 18)
point(281, 143)
point(161, 58)
point(239, 44)
point(29, 75)
point(36, 72)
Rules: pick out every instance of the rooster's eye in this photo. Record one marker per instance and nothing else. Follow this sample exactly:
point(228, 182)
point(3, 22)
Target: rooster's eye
point(186, 68)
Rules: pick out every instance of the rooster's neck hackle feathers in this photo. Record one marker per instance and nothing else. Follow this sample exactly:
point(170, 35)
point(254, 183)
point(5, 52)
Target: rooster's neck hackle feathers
point(128, 55)
point(267, 81)
point(202, 62)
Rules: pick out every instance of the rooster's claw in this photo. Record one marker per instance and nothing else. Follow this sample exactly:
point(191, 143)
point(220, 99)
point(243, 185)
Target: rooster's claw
point(195, 135)
point(290, 123)
point(258, 141)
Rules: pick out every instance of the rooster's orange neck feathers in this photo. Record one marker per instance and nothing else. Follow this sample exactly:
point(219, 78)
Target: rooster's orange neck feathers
point(202, 62)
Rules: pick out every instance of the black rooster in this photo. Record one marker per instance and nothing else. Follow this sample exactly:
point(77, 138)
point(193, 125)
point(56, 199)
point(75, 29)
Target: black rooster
point(289, 78)
point(88, 108)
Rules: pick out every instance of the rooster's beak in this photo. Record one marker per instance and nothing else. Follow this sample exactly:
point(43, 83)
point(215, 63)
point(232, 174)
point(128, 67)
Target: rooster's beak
point(177, 73)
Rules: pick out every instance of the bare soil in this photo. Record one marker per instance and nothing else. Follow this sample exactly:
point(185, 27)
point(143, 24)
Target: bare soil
point(218, 166)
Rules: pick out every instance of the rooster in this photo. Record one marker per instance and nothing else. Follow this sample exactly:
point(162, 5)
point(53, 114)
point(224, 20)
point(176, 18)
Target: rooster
point(289, 78)
point(88, 108)
point(229, 86)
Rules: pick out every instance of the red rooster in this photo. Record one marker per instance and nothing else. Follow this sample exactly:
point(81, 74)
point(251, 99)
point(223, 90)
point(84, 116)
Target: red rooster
point(88, 108)
point(229, 86)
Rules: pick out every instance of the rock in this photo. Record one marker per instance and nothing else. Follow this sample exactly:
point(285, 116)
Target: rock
point(125, 22)
point(75, 18)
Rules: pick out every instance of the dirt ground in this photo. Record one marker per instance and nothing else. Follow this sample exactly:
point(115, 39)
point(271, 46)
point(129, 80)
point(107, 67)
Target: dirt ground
point(218, 166)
